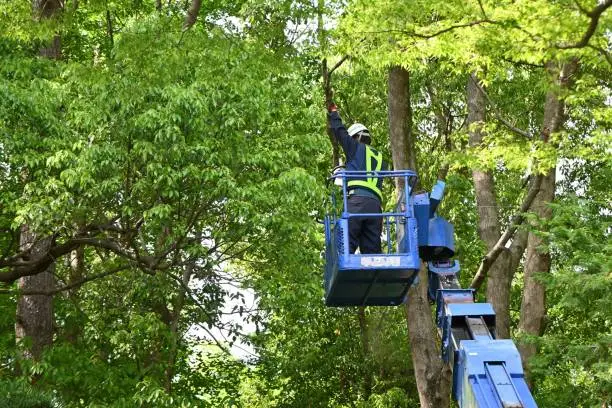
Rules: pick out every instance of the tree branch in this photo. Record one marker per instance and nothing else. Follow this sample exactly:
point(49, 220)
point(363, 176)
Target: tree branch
point(482, 10)
point(437, 33)
point(603, 52)
point(104, 244)
point(595, 14)
point(66, 287)
point(517, 249)
point(499, 246)
point(444, 117)
point(22, 265)
point(211, 318)
point(499, 117)
point(523, 63)
point(580, 7)
point(192, 14)
point(109, 28)
point(337, 65)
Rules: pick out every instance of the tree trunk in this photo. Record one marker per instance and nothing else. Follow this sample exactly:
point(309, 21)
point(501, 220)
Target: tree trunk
point(500, 276)
point(368, 374)
point(47, 9)
point(432, 375)
point(175, 336)
point(400, 119)
point(533, 309)
point(533, 305)
point(175, 317)
point(34, 318)
point(444, 121)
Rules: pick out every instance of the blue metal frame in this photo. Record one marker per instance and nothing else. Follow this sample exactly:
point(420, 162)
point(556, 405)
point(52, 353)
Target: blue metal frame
point(490, 374)
point(451, 316)
point(435, 272)
point(371, 279)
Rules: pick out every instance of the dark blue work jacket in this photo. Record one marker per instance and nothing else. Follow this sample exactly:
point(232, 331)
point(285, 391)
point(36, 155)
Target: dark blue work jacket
point(359, 157)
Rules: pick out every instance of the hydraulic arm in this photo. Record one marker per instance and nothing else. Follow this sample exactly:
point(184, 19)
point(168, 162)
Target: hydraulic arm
point(487, 372)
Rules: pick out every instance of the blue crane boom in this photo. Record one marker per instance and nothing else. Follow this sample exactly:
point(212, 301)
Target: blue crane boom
point(487, 372)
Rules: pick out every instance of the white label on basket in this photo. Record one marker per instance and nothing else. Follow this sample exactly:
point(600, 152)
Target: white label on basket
point(378, 261)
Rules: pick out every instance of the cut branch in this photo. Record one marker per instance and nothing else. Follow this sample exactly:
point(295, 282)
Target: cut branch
point(327, 89)
point(499, 246)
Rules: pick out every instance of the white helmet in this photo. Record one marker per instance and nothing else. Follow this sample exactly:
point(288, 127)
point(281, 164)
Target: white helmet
point(356, 128)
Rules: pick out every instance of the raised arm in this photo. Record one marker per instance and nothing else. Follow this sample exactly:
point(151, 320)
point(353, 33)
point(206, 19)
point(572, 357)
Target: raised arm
point(349, 145)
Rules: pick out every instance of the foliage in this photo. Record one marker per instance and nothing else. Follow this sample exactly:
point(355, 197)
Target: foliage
point(163, 140)
point(394, 397)
point(17, 394)
point(576, 347)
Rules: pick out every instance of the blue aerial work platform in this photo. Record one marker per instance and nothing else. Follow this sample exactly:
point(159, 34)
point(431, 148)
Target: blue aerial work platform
point(370, 279)
point(487, 372)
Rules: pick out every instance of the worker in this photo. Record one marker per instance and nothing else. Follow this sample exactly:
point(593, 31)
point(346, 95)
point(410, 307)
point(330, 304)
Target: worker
point(364, 193)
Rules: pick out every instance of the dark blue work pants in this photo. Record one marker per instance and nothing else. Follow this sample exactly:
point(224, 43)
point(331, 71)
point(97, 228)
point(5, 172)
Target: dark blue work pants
point(364, 232)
